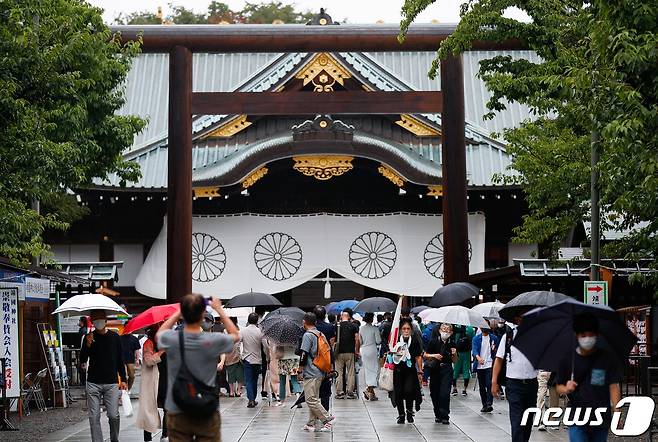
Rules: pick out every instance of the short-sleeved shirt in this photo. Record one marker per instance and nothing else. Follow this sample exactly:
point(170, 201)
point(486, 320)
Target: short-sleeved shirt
point(346, 336)
point(310, 346)
point(519, 367)
point(252, 341)
point(485, 353)
point(129, 345)
point(202, 351)
point(594, 374)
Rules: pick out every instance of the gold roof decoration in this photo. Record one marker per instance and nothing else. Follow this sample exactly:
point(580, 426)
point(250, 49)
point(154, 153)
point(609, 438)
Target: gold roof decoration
point(391, 175)
point(253, 177)
point(230, 128)
point(417, 127)
point(435, 190)
point(206, 192)
point(323, 71)
point(323, 167)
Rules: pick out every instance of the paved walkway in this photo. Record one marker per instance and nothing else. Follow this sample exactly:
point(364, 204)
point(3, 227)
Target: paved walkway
point(357, 421)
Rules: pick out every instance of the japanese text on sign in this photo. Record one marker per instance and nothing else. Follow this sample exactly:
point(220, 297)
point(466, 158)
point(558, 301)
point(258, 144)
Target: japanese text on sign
point(9, 339)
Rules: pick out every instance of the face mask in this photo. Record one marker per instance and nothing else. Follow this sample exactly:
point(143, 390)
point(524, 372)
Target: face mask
point(99, 324)
point(501, 324)
point(445, 336)
point(587, 342)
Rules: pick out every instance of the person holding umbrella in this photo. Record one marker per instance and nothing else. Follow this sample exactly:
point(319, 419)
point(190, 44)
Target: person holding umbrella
point(440, 355)
point(521, 381)
point(590, 377)
point(102, 348)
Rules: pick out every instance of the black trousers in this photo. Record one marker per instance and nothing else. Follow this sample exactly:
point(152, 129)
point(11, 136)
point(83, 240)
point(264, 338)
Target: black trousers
point(400, 403)
point(440, 383)
point(484, 382)
point(521, 394)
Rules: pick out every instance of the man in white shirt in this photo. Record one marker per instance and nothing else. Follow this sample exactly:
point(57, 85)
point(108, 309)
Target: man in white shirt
point(521, 383)
point(252, 341)
point(484, 349)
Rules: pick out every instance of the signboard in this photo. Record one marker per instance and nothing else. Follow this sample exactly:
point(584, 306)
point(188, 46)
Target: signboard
point(37, 289)
point(596, 292)
point(9, 339)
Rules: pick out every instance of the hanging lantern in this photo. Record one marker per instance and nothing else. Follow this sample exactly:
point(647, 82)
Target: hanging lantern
point(327, 287)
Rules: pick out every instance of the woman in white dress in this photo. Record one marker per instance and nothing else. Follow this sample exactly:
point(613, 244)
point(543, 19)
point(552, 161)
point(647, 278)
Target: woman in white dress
point(370, 341)
point(148, 417)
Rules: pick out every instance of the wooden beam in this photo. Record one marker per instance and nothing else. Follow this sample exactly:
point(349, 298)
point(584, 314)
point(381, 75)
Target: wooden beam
point(312, 103)
point(179, 189)
point(453, 152)
point(296, 38)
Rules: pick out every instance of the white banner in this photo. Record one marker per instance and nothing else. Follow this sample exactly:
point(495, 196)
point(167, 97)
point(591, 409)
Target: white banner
point(9, 340)
point(233, 254)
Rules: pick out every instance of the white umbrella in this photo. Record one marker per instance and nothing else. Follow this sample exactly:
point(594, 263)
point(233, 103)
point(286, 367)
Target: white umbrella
point(84, 304)
point(488, 309)
point(455, 314)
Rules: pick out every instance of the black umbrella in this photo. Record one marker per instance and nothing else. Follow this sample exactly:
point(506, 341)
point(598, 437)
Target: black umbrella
point(253, 299)
point(282, 329)
point(546, 334)
point(453, 294)
point(419, 309)
point(529, 300)
point(295, 313)
point(374, 305)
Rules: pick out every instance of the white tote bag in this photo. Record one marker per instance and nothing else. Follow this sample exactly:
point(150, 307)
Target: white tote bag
point(125, 403)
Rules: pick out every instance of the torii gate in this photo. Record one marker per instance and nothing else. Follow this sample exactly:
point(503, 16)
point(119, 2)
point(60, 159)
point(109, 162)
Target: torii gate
point(181, 41)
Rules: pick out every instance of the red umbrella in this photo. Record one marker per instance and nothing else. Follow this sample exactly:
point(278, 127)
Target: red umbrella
point(151, 316)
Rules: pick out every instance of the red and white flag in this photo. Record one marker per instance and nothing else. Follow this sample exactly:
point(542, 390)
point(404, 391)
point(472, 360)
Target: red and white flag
point(395, 326)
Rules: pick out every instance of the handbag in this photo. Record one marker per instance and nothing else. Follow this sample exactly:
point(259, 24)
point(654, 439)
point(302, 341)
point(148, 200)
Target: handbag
point(190, 394)
point(386, 375)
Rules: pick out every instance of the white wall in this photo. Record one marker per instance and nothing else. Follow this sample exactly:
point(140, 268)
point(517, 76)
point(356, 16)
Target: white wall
point(523, 251)
point(132, 256)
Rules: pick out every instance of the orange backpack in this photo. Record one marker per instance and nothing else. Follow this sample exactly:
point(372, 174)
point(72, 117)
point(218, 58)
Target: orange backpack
point(322, 359)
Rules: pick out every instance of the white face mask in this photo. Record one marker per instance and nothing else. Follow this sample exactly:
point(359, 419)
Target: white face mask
point(501, 324)
point(99, 324)
point(587, 342)
point(445, 335)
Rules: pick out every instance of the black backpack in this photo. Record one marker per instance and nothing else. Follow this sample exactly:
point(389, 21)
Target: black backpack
point(190, 394)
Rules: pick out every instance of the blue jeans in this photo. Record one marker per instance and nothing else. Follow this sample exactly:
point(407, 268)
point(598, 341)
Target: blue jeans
point(484, 382)
point(294, 386)
point(520, 396)
point(251, 372)
point(588, 434)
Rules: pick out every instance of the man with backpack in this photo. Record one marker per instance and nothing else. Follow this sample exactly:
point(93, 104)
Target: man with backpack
point(192, 402)
point(463, 339)
point(315, 362)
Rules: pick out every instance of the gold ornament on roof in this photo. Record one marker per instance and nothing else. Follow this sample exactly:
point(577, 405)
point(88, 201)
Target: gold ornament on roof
point(391, 175)
point(253, 177)
point(416, 126)
point(230, 128)
point(323, 71)
point(206, 192)
point(435, 190)
point(323, 167)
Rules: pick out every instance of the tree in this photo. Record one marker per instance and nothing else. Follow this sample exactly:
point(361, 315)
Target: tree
point(138, 18)
point(181, 15)
point(597, 73)
point(60, 85)
point(267, 13)
point(219, 12)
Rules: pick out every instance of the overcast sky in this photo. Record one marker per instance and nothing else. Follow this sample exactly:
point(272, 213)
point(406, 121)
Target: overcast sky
point(355, 11)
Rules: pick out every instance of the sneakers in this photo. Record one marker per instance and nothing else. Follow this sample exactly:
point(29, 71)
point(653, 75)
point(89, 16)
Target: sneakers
point(401, 419)
point(252, 404)
point(454, 392)
point(340, 396)
point(489, 409)
point(464, 393)
point(309, 428)
point(542, 427)
point(332, 420)
point(484, 409)
point(410, 417)
point(351, 396)
point(326, 428)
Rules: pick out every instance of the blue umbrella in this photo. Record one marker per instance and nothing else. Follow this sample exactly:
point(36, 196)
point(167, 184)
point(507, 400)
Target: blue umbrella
point(338, 307)
point(546, 334)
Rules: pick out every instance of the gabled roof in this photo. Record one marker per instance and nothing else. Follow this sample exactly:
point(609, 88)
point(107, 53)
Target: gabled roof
point(147, 95)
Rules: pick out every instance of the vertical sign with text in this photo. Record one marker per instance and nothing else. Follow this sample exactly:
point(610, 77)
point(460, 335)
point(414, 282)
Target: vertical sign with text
point(596, 292)
point(9, 338)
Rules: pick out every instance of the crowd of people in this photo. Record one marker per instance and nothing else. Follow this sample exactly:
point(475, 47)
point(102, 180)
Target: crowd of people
point(186, 366)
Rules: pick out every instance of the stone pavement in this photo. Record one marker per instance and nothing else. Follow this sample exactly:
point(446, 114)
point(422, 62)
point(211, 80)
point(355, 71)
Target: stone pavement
point(357, 420)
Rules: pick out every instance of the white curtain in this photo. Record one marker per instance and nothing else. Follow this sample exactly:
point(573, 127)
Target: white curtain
point(233, 254)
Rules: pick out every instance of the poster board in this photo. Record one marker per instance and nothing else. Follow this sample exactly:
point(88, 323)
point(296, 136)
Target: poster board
point(9, 339)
